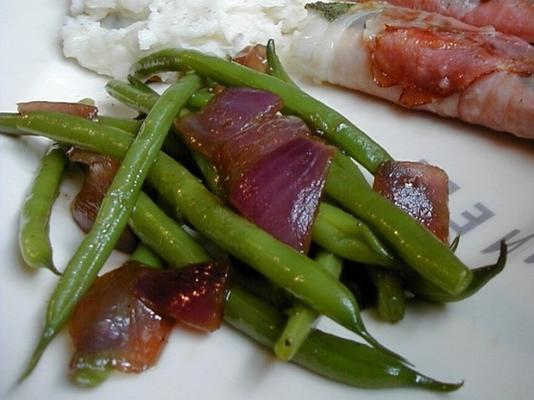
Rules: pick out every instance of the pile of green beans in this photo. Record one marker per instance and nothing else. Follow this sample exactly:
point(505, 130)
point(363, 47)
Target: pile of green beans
point(362, 226)
point(334, 229)
point(206, 213)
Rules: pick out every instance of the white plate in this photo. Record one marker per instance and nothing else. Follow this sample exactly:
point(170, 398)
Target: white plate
point(485, 340)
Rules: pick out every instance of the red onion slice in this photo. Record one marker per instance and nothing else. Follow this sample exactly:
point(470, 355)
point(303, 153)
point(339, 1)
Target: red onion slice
point(193, 295)
point(282, 191)
point(112, 327)
point(419, 189)
point(247, 147)
point(228, 113)
point(78, 109)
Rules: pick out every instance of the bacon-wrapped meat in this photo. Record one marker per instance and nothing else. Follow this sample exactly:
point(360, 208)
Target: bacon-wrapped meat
point(514, 17)
point(421, 60)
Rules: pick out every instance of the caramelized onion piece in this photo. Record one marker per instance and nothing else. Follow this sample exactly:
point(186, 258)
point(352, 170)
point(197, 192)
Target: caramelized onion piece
point(111, 327)
point(228, 113)
point(281, 193)
point(193, 295)
point(78, 109)
point(419, 189)
point(99, 175)
point(246, 148)
point(254, 57)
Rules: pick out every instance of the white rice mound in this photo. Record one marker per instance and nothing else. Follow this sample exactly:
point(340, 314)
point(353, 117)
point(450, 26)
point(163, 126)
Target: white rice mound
point(108, 36)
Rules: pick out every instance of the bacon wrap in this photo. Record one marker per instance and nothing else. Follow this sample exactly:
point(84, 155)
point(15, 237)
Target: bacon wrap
point(440, 61)
point(514, 17)
point(423, 60)
point(272, 170)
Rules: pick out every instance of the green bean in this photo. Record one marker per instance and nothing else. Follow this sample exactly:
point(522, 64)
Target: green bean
point(340, 233)
point(454, 244)
point(144, 255)
point(114, 212)
point(126, 124)
point(411, 241)
point(92, 374)
point(131, 95)
point(391, 303)
point(275, 67)
point(338, 359)
point(300, 317)
point(158, 230)
point(200, 98)
point(143, 101)
point(248, 278)
point(210, 174)
point(142, 86)
point(34, 240)
point(335, 128)
point(234, 234)
point(8, 123)
point(424, 289)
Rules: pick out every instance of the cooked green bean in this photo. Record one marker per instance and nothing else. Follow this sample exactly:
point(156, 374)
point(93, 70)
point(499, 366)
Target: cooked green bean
point(34, 240)
point(391, 303)
point(157, 230)
point(275, 67)
point(454, 244)
point(126, 124)
point(8, 123)
point(338, 359)
point(412, 242)
point(91, 376)
point(114, 212)
point(131, 95)
point(277, 261)
point(144, 255)
point(143, 101)
point(301, 318)
point(424, 289)
point(142, 86)
point(335, 128)
point(340, 233)
point(209, 173)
